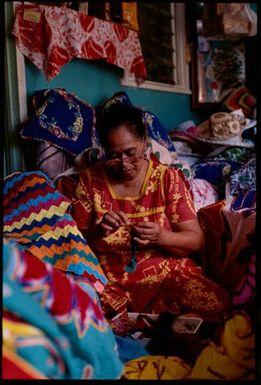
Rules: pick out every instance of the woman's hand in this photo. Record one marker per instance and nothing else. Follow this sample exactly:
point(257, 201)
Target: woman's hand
point(147, 233)
point(111, 221)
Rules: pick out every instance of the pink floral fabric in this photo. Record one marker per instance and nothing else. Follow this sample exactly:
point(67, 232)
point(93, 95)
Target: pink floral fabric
point(204, 193)
point(51, 36)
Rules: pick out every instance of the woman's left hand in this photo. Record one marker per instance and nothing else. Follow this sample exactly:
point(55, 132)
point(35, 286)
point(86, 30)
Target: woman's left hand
point(146, 233)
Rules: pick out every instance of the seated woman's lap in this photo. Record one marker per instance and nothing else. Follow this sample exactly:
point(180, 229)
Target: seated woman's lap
point(166, 284)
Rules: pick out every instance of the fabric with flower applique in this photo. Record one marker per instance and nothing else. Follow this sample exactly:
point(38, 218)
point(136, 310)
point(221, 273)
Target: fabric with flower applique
point(61, 119)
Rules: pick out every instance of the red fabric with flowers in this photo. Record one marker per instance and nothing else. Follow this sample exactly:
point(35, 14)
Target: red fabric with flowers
point(52, 36)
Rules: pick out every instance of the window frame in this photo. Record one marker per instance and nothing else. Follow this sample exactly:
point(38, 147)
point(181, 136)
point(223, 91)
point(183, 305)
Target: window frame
point(182, 66)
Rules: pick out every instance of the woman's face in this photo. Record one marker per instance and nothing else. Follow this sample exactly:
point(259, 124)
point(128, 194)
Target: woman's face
point(124, 152)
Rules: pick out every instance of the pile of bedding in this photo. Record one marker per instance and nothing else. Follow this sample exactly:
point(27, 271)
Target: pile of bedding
point(56, 274)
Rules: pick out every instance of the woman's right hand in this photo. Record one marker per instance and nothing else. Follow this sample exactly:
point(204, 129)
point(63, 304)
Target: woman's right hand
point(111, 221)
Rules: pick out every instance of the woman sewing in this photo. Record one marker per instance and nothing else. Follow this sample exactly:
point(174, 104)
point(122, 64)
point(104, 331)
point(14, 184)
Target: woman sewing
point(139, 218)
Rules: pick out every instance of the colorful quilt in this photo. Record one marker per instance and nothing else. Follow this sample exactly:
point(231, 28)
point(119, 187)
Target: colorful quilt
point(52, 327)
point(36, 215)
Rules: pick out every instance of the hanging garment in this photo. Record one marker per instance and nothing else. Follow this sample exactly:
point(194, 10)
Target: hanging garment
point(52, 36)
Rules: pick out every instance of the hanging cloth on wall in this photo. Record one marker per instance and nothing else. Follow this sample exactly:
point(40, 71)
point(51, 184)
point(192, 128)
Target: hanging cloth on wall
point(52, 36)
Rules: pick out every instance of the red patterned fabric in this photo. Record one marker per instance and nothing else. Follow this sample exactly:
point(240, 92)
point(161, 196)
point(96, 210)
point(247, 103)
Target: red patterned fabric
point(161, 282)
point(52, 36)
point(228, 256)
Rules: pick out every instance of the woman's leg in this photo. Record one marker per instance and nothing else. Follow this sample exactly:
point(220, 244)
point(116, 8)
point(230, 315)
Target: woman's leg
point(186, 290)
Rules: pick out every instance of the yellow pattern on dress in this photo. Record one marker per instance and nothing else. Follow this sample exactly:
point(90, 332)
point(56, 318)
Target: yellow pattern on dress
point(82, 197)
point(164, 265)
point(189, 201)
point(150, 279)
point(175, 218)
point(196, 294)
point(119, 237)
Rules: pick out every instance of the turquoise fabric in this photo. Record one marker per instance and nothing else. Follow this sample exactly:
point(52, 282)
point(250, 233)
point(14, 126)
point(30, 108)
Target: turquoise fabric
point(74, 344)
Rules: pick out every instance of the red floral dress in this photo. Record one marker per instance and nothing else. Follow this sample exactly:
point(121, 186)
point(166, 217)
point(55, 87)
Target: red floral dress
point(161, 281)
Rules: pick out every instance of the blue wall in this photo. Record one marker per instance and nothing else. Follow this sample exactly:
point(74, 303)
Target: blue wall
point(95, 81)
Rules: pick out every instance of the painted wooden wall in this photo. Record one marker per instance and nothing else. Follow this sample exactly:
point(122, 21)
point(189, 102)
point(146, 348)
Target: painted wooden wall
point(96, 81)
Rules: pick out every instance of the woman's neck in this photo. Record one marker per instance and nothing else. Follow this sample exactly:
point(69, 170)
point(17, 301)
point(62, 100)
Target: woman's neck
point(133, 186)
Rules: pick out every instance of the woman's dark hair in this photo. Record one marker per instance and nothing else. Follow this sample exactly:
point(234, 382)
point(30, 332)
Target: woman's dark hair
point(116, 115)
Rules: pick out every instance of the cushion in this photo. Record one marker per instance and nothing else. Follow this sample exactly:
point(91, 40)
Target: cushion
point(156, 368)
point(204, 194)
point(241, 98)
point(37, 216)
point(182, 165)
point(244, 201)
point(157, 131)
point(245, 292)
point(52, 160)
point(118, 97)
point(62, 119)
point(185, 131)
point(162, 154)
point(215, 172)
point(238, 154)
point(229, 243)
point(243, 179)
point(231, 358)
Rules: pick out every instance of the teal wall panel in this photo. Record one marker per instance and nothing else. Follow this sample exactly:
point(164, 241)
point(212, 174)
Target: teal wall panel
point(95, 81)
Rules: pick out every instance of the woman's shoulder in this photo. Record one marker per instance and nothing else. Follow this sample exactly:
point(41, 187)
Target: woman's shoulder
point(169, 173)
point(96, 168)
point(163, 168)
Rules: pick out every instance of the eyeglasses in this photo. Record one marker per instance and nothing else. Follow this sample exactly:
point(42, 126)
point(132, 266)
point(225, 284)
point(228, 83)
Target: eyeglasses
point(129, 156)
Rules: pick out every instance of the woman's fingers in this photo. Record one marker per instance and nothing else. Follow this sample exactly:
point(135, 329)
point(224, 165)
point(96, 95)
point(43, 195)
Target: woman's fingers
point(140, 241)
point(115, 219)
point(148, 228)
point(106, 227)
point(111, 218)
point(123, 217)
point(147, 232)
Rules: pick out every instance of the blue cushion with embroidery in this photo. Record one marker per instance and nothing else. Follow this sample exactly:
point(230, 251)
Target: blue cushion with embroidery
point(119, 97)
point(243, 179)
point(62, 119)
point(215, 172)
point(155, 129)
